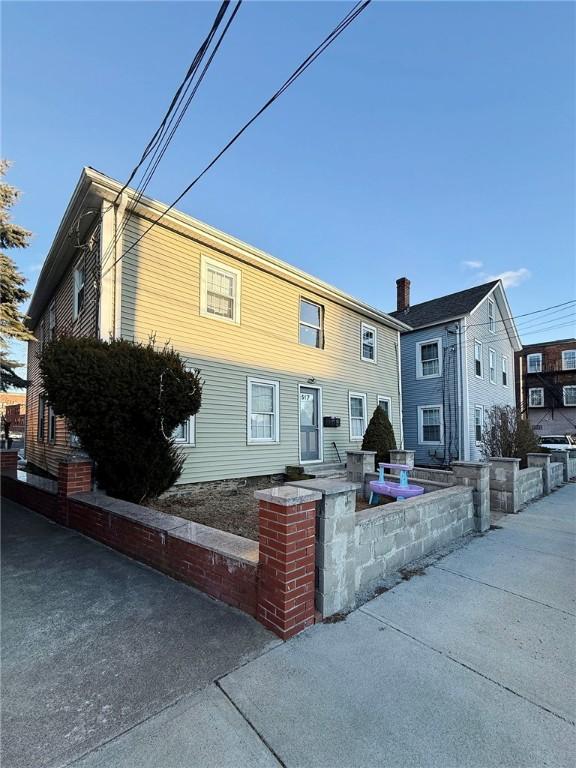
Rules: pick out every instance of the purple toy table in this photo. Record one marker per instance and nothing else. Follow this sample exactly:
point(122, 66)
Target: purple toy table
point(399, 491)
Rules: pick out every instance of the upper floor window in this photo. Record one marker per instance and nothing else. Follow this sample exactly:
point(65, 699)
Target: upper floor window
point(569, 393)
point(536, 397)
point(357, 408)
point(430, 424)
point(41, 432)
point(491, 317)
point(219, 291)
point(79, 290)
point(492, 365)
point(386, 404)
point(368, 343)
point(311, 324)
point(428, 360)
point(534, 362)
point(569, 359)
point(505, 371)
point(478, 359)
point(52, 321)
point(263, 411)
point(184, 434)
point(42, 334)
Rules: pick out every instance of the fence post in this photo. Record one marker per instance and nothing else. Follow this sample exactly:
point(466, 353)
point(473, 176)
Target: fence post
point(542, 460)
point(74, 476)
point(287, 528)
point(358, 463)
point(504, 496)
point(563, 458)
point(402, 457)
point(476, 474)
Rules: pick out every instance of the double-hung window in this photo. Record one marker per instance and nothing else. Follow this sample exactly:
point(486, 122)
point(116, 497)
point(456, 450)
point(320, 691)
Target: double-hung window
point(569, 393)
point(491, 317)
point(219, 291)
point(505, 371)
point(311, 332)
point(386, 404)
point(52, 321)
point(478, 359)
point(534, 362)
point(428, 360)
point(478, 422)
point(430, 424)
point(51, 425)
point(357, 409)
point(492, 365)
point(569, 360)
point(536, 397)
point(79, 290)
point(368, 343)
point(41, 418)
point(184, 434)
point(263, 411)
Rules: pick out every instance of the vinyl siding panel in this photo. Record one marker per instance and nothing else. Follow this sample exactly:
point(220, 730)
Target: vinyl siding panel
point(161, 298)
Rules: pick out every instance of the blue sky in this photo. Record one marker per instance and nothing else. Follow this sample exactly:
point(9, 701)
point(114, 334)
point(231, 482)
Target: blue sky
point(433, 140)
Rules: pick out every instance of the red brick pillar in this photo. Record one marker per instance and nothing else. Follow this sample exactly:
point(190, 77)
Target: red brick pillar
point(9, 461)
point(74, 476)
point(286, 582)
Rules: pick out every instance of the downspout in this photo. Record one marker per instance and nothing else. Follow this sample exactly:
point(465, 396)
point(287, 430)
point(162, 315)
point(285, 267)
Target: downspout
point(465, 393)
point(400, 407)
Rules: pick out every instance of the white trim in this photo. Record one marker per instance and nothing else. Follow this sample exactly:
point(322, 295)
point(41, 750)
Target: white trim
point(388, 400)
point(320, 459)
point(421, 409)
point(534, 354)
point(492, 316)
point(207, 262)
point(52, 320)
point(481, 409)
point(363, 397)
point(535, 389)
point(319, 328)
point(400, 409)
point(564, 352)
point(505, 371)
point(419, 371)
point(564, 388)
point(466, 394)
point(191, 437)
point(481, 374)
point(276, 412)
point(368, 327)
point(491, 368)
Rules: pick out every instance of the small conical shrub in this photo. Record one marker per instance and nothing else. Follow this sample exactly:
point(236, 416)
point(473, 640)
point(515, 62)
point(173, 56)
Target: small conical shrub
point(379, 436)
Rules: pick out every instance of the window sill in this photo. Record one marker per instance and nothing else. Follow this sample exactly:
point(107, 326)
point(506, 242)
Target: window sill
point(429, 376)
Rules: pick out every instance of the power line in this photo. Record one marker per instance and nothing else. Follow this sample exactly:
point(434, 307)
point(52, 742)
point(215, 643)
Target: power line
point(328, 40)
point(525, 314)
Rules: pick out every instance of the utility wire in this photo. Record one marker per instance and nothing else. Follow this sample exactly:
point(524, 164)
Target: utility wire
point(525, 314)
point(328, 40)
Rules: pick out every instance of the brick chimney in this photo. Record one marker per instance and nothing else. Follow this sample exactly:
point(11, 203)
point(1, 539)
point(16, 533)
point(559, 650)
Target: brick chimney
point(402, 294)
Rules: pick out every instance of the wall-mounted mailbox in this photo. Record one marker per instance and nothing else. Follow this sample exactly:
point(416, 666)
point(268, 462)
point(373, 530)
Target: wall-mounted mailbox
point(331, 421)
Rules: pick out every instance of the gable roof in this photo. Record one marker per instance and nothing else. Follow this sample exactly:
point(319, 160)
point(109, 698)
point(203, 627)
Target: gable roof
point(445, 308)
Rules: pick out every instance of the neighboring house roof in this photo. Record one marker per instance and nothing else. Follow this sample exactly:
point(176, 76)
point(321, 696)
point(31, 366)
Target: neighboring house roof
point(527, 347)
point(445, 308)
point(94, 187)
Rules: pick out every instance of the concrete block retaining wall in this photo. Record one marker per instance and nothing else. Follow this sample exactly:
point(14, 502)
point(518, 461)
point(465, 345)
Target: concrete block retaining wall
point(529, 483)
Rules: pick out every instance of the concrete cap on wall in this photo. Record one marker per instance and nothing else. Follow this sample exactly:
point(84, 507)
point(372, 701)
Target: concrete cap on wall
point(287, 496)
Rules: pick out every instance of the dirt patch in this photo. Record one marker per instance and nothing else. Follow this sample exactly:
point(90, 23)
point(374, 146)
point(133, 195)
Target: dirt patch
point(335, 618)
point(409, 573)
point(233, 509)
point(362, 504)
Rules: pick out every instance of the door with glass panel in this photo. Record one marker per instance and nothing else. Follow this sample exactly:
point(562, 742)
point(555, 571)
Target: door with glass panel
point(309, 424)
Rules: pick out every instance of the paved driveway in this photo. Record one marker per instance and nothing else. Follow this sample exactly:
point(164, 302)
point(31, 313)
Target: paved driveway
point(93, 643)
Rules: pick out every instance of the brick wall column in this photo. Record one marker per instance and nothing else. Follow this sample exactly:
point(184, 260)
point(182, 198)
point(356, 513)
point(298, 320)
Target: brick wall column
point(287, 528)
point(74, 476)
point(476, 475)
point(8, 461)
point(542, 460)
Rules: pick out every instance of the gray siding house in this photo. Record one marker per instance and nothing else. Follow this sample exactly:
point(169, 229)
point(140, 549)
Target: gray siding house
point(457, 363)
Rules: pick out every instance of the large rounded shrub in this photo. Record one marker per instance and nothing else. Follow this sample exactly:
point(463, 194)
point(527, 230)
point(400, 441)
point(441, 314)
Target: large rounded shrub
point(379, 436)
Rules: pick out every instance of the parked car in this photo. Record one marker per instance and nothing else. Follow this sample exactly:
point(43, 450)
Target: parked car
point(557, 442)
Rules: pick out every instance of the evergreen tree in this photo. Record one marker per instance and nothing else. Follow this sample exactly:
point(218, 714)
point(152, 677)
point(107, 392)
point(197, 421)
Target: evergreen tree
point(12, 292)
point(379, 436)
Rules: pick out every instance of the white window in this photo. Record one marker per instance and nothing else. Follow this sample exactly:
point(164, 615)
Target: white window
point(478, 359)
point(368, 343)
point(534, 362)
point(505, 371)
point(386, 404)
point(569, 394)
point(52, 321)
point(357, 411)
point(492, 365)
point(41, 418)
point(185, 433)
point(311, 330)
point(42, 334)
point(491, 317)
point(51, 425)
point(263, 411)
point(478, 422)
point(79, 290)
point(428, 361)
point(569, 359)
point(219, 291)
point(536, 397)
point(430, 424)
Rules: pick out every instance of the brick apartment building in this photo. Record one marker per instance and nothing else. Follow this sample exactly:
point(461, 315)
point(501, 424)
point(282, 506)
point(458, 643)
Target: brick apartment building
point(546, 386)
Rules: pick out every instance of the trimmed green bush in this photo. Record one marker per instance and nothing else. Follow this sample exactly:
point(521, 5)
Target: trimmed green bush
point(379, 436)
point(123, 400)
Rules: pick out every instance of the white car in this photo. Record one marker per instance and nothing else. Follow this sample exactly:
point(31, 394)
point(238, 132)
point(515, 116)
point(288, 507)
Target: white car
point(557, 442)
